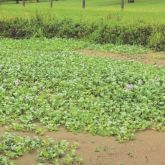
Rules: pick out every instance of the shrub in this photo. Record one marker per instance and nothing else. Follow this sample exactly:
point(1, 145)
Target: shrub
point(67, 29)
point(152, 36)
point(157, 39)
point(106, 34)
point(136, 34)
point(16, 28)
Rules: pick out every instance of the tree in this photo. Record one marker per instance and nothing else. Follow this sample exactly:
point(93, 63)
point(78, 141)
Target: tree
point(23, 2)
point(122, 4)
point(37, 1)
point(131, 1)
point(51, 3)
point(83, 3)
point(17, 1)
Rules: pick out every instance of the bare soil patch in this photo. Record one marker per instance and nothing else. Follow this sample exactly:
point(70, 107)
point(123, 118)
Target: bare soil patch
point(148, 148)
point(149, 58)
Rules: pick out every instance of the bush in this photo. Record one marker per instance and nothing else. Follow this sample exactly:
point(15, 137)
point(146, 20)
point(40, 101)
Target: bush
point(16, 28)
point(136, 34)
point(106, 34)
point(152, 36)
point(67, 29)
point(157, 39)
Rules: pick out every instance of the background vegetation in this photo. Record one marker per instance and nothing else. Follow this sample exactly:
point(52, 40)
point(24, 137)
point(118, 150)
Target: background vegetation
point(141, 23)
point(107, 10)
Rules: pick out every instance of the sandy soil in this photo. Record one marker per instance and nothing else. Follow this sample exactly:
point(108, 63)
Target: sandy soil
point(148, 148)
point(149, 58)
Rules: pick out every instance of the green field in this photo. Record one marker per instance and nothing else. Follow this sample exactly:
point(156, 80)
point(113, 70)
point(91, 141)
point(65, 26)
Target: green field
point(107, 10)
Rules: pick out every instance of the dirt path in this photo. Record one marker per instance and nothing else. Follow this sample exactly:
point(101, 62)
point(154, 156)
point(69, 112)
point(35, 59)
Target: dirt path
point(148, 148)
point(149, 58)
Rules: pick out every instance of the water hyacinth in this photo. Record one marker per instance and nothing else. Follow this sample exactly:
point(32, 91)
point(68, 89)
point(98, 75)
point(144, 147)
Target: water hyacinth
point(81, 93)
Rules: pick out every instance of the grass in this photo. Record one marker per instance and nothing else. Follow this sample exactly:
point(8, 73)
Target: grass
point(83, 94)
point(109, 11)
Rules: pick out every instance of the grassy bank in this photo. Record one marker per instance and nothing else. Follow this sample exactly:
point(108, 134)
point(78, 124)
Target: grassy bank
point(148, 35)
point(141, 23)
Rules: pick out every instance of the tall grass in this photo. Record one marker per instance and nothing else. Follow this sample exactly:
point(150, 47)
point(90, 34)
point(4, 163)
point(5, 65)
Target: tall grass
point(150, 35)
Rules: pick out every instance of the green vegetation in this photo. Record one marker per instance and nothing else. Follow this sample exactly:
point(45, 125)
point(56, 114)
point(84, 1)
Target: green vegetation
point(49, 151)
point(61, 88)
point(58, 44)
point(16, 146)
point(152, 36)
point(5, 161)
point(141, 23)
point(46, 84)
point(107, 10)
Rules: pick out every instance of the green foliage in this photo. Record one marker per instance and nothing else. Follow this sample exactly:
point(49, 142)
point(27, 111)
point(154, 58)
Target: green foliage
point(49, 151)
point(14, 146)
point(17, 28)
point(120, 49)
point(58, 44)
point(157, 39)
point(136, 34)
point(5, 161)
point(67, 29)
point(96, 95)
point(59, 153)
point(119, 34)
